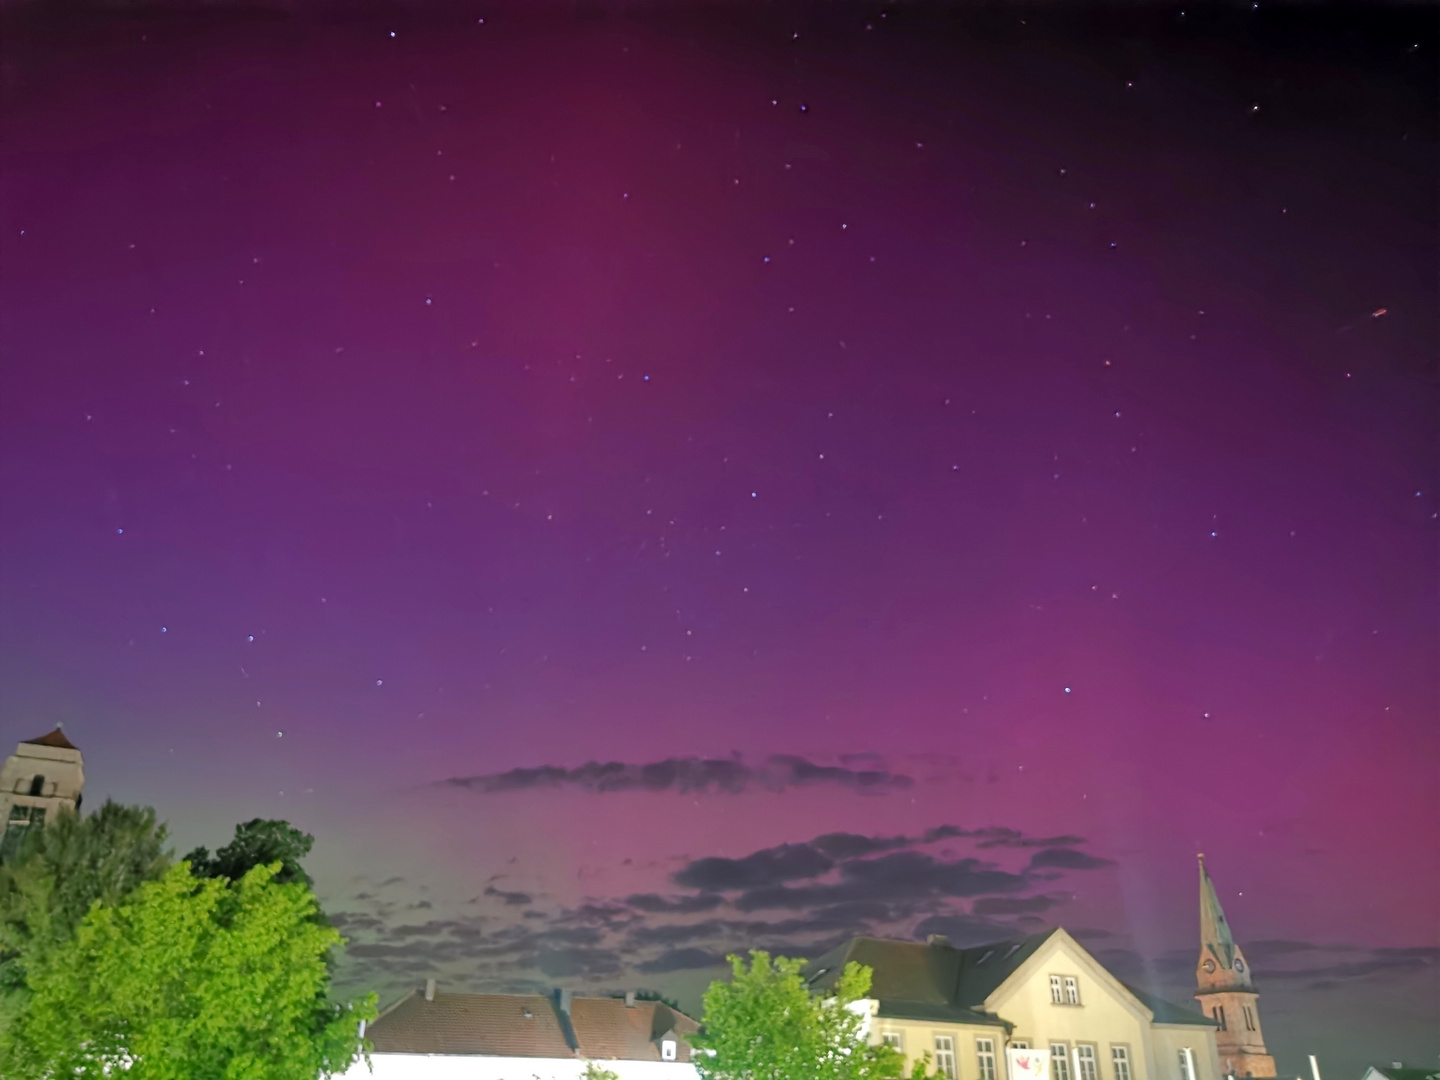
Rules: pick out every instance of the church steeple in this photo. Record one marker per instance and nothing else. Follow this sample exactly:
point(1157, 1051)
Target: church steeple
point(1226, 991)
point(1222, 965)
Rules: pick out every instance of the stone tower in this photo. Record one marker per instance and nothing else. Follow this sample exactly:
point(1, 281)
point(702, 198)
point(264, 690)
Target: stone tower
point(41, 779)
point(1226, 993)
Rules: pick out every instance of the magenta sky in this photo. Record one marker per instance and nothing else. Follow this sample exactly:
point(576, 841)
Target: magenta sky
point(1032, 420)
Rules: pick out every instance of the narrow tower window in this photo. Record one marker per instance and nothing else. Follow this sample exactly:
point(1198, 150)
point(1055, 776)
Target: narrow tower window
point(37, 785)
point(1218, 1012)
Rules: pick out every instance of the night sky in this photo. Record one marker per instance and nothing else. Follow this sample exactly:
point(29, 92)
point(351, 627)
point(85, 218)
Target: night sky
point(947, 466)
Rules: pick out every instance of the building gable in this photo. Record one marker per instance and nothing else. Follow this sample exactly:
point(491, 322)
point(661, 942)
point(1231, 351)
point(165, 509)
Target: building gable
point(1059, 946)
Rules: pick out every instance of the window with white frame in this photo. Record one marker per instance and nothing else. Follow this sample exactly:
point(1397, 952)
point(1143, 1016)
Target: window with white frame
point(1085, 1063)
point(1185, 1071)
point(667, 1049)
point(985, 1056)
point(945, 1056)
point(1057, 991)
point(894, 1039)
point(1019, 1044)
point(1072, 990)
point(1059, 1061)
point(1120, 1062)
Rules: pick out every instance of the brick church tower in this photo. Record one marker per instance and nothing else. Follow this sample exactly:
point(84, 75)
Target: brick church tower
point(1226, 993)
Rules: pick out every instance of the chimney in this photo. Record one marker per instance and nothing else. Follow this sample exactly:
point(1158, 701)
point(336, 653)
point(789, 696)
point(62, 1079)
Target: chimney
point(629, 999)
point(429, 989)
point(562, 998)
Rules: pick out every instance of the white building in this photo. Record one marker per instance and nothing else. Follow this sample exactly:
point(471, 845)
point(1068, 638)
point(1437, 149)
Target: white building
point(43, 777)
point(966, 1007)
point(435, 1036)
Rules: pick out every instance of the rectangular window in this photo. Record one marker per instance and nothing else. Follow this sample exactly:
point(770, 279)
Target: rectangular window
point(1019, 1044)
point(1120, 1062)
point(1218, 1015)
point(1072, 990)
point(945, 1056)
point(985, 1055)
point(894, 1040)
point(1185, 1073)
point(1086, 1067)
point(1057, 993)
point(1059, 1061)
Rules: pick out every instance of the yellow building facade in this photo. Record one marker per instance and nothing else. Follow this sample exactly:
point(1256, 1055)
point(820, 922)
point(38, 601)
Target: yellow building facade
point(965, 1007)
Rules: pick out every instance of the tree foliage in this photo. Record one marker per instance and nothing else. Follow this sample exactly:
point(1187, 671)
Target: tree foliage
point(257, 842)
point(595, 1071)
point(190, 978)
point(64, 868)
point(765, 1024)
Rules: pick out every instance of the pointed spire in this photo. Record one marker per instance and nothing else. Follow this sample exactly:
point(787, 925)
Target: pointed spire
point(1216, 941)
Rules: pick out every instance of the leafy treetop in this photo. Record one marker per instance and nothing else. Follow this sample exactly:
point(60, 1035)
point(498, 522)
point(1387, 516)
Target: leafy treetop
point(765, 1024)
point(257, 843)
point(190, 977)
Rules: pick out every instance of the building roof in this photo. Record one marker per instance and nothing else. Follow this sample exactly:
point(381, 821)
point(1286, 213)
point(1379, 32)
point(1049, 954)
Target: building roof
point(935, 981)
point(1168, 1013)
point(1401, 1072)
point(528, 1025)
point(933, 972)
point(54, 738)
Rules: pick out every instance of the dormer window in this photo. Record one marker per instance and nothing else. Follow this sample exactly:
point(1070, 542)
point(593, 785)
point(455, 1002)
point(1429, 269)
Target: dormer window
point(668, 1049)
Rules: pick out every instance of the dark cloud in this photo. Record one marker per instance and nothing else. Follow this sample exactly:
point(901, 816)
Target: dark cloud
point(568, 963)
point(656, 904)
point(688, 775)
point(680, 960)
point(511, 899)
point(768, 866)
point(1056, 858)
point(962, 930)
point(1013, 905)
point(903, 877)
point(824, 890)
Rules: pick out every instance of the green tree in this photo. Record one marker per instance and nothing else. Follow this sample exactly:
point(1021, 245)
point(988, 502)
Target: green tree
point(596, 1071)
point(765, 1024)
point(59, 872)
point(189, 978)
point(257, 842)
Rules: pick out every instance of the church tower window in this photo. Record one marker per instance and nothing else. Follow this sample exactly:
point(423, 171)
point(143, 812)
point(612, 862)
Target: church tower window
point(37, 785)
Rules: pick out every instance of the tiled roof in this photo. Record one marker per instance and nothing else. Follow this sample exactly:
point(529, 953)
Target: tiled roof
point(497, 1024)
point(609, 1030)
point(54, 738)
point(470, 1024)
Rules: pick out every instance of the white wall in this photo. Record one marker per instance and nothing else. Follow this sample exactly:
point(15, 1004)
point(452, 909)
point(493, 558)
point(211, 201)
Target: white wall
point(478, 1067)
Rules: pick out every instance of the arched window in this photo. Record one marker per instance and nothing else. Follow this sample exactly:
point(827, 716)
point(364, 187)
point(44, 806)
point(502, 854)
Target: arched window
point(37, 785)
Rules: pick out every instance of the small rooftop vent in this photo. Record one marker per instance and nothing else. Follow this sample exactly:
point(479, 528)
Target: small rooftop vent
point(429, 989)
point(937, 941)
